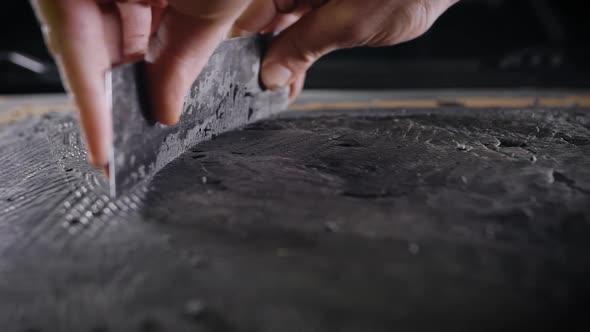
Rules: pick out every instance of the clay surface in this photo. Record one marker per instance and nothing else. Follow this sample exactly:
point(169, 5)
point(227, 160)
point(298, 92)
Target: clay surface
point(334, 221)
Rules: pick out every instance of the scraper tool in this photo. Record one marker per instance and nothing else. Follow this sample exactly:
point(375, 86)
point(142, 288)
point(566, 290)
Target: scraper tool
point(226, 95)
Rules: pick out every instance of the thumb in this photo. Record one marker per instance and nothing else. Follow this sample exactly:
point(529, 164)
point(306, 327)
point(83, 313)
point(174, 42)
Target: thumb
point(295, 49)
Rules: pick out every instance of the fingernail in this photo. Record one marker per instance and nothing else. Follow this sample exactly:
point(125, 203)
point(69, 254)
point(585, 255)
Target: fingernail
point(169, 119)
point(93, 161)
point(106, 171)
point(274, 75)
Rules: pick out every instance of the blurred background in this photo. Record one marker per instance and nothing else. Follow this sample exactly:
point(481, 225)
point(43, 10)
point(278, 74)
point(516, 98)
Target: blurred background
point(476, 44)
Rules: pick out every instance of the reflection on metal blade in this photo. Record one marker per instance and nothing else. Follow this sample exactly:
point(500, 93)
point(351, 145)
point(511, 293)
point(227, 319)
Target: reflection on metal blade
point(225, 96)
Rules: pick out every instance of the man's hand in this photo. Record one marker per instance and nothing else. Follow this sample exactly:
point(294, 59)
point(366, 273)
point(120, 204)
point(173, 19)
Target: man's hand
point(337, 24)
point(177, 37)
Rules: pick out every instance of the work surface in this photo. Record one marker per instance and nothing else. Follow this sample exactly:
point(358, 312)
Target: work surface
point(356, 219)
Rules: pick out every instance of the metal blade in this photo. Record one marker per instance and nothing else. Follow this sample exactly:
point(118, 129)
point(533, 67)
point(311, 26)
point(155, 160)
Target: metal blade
point(226, 95)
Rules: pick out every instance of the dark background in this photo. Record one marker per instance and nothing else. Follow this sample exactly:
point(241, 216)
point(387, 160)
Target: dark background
point(476, 44)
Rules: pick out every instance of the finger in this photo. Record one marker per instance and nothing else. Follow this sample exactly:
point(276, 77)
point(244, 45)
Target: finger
point(286, 19)
point(283, 21)
point(178, 52)
point(296, 88)
point(111, 26)
point(299, 46)
point(212, 11)
point(136, 19)
point(75, 31)
point(156, 19)
point(262, 16)
point(285, 6)
point(258, 15)
point(152, 3)
point(289, 6)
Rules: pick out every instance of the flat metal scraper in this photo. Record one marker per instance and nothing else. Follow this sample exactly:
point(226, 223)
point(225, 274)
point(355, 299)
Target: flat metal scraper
point(226, 95)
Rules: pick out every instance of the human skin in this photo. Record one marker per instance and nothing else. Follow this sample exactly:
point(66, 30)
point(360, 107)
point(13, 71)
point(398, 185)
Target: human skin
point(177, 37)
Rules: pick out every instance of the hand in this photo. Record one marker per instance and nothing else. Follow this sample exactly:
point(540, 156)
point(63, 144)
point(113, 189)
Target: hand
point(177, 37)
point(327, 25)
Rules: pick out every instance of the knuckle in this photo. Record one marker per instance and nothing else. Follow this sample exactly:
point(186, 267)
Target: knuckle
point(417, 18)
point(408, 22)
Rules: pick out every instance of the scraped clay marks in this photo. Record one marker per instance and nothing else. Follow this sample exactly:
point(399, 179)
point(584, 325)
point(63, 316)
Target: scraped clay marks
point(47, 183)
